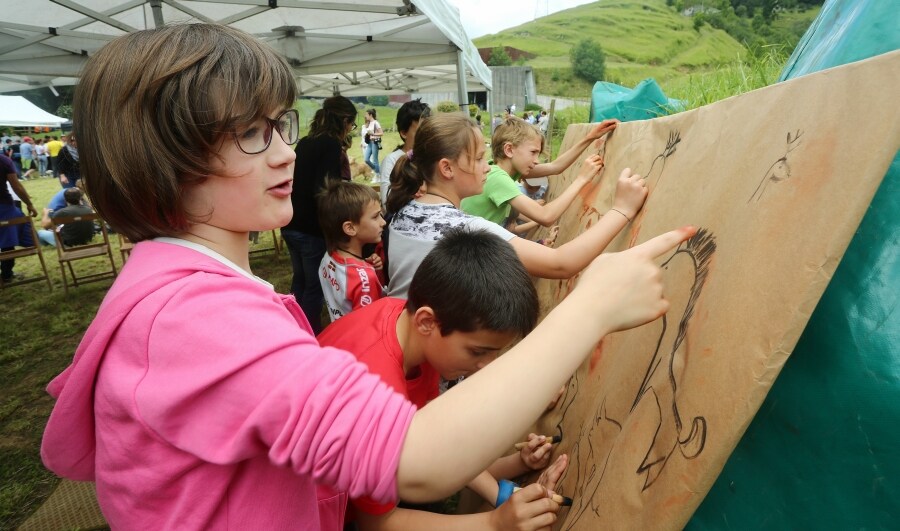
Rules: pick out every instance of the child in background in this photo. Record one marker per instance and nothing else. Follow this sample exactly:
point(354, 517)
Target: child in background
point(449, 157)
point(516, 146)
point(199, 398)
point(448, 329)
point(350, 217)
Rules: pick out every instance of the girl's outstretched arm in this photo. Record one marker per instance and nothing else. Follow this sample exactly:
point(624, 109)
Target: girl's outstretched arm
point(547, 214)
point(473, 423)
point(567, 260)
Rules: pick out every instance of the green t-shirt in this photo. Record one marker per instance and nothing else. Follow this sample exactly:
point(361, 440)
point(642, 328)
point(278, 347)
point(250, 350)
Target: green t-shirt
point(493, 202)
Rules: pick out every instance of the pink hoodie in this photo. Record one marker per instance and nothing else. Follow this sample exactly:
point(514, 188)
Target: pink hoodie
point(199, 399)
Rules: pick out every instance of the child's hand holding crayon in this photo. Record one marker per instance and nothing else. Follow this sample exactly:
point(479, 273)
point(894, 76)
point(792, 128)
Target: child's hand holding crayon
point(535, 452)
point(532, 508)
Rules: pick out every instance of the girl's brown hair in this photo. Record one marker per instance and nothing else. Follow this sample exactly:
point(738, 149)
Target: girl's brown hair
point(332, 119)
point(440, 136)
point(179, 91)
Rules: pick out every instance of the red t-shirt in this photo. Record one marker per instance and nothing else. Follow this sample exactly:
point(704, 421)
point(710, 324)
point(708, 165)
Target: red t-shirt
point(371, 334)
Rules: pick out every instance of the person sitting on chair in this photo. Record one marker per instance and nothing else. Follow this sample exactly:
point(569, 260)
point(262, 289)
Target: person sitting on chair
point(17, 235)
point(75, 233)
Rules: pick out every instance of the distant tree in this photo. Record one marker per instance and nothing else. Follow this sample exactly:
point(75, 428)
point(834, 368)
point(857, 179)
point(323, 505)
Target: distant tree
point(699, 19)
point(499, 57)
point(378, 101)
point(588, 60)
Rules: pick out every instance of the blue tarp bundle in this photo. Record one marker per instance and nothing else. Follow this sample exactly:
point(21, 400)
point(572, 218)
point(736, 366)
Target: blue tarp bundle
point(645, 101)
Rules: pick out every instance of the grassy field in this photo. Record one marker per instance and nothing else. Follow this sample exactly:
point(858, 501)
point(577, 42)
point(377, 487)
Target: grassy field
point(641, 39)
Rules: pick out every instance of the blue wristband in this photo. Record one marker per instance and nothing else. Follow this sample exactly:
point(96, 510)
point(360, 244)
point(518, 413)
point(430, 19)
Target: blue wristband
point(506, 490)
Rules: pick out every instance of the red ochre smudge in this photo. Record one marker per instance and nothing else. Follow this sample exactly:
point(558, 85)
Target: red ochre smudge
point(635, 231)
point(596, 355)
point(678, 499)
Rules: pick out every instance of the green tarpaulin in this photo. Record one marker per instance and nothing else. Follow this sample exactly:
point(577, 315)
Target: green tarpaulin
point(824, 450)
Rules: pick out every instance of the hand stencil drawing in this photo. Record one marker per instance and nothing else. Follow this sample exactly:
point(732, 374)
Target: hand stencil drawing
point(660, 386)
point(780, 170)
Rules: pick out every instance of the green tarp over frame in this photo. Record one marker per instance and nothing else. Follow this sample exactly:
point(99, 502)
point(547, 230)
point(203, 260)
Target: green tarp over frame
point(822, 453)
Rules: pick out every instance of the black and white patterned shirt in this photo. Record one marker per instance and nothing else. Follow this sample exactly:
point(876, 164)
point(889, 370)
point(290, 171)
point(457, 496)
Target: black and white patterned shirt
point(415, 230)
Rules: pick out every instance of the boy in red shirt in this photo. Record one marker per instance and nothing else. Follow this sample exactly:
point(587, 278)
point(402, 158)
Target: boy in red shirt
point(469, 299)
point(350, 217)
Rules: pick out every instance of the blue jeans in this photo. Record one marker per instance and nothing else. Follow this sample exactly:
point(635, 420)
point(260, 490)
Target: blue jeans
point(47, 237)
point(371, 157)
point(306, 253)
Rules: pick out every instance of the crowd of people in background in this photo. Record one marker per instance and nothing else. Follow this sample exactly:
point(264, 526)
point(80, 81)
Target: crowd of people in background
point(25, 158)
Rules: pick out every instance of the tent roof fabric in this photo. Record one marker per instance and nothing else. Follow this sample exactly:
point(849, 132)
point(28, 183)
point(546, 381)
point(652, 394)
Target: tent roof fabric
point(354, 48)
point(16, 111)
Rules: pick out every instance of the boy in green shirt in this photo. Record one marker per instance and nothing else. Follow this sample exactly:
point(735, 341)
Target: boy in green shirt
point(516, 145)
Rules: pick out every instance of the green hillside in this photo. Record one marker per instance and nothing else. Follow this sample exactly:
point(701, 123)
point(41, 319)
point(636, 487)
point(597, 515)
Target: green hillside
point(641, 38)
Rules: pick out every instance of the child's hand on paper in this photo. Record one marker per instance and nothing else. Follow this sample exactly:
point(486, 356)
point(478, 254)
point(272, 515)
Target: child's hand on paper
point(550, 477)
point(600, 129)
point(529, 509)
point(590, 168)
point(626, 288)
point(631, 192)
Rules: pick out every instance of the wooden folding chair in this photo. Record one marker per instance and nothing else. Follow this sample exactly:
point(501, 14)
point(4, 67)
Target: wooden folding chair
point(125, 247)
point(69, 254)
point(276, 244)
point(25, 251)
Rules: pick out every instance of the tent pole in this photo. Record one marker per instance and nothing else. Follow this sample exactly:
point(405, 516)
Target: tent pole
point(156, 6)
point(463, 94)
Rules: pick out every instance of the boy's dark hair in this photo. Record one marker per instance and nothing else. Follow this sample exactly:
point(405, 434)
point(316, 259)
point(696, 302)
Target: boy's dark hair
point(72, 196)
point(410, 112)
point(473, 280)
point(342, 201)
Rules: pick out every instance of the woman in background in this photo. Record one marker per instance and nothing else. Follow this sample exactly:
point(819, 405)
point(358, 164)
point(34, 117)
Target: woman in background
point(371, 140)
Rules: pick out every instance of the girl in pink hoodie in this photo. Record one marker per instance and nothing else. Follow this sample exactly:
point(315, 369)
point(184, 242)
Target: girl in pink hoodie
point(199, 398)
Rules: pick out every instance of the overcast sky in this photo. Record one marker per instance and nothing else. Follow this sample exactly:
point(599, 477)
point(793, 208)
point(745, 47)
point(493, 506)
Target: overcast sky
point(480, 17)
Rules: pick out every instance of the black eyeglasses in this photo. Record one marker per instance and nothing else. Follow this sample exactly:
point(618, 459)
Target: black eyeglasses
point(256, 139)
point(353, 126)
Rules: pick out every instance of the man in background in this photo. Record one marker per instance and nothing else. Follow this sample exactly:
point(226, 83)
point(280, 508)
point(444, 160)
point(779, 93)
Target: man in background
point(75, 233)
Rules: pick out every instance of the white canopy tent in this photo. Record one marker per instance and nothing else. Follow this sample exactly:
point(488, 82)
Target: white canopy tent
point(347, 47)
point(16, 111)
